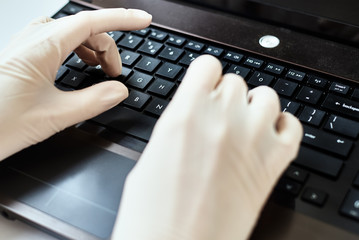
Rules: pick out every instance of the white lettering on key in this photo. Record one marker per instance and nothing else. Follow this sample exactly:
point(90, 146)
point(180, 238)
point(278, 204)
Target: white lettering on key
point(310, 136)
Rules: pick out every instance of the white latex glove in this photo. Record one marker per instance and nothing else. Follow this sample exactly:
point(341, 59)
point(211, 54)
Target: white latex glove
point(31, 108)
point(213, 159)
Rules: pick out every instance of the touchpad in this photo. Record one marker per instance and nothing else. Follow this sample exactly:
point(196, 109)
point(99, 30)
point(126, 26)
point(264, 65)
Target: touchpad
point(70, 179)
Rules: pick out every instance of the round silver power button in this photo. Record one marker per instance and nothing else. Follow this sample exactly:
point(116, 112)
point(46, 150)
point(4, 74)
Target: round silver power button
point(269, 41)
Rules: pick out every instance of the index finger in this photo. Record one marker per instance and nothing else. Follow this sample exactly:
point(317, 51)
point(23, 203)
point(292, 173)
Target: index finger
point(76, 29)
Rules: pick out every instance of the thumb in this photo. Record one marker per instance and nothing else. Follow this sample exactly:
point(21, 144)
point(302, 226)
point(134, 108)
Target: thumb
point(74, 107)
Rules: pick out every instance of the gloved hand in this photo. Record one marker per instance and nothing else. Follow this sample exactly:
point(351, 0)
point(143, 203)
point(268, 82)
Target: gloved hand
point(31, 108)
point(213, 159)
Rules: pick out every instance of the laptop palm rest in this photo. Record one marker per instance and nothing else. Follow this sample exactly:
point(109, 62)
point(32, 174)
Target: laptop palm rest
point(69, 179)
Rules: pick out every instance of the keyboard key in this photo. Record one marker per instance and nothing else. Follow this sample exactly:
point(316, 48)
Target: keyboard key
point(136, 100)
point(130, 41)
point(241, 71)
point(274, 68)
point(61, 73)
point(253, 62)
point(194, 46)
point(116, 35)
point(128, 121)
point(139, 80)
point(350, 206)
point(148, 64)
point(72, 9)
point(296, 174)
point(295, 75)
point(341, 105)
point(285, 87)
point(339, 88)
point(150, 47)
point(95, 71)
point(125, 73)
point(319, 162)
point(188, 58)
point(156, 106)
point(356, 180)
point(217, 52)
point(169, 70)
point(355, 94)
point(161, 87)
point(342, 126)
point(142, 32)
point(73, 79)
point(233, 57)
point(171, 53)
point(129, 58)
point(259, 78)
point(288, 186)
point(314, 196)
point(176, 40)
point(311, 116)
point(289, 106)
point(76, 62)
point(317, 82)
point(158, 35)
point(309, 95)
point(326, 141)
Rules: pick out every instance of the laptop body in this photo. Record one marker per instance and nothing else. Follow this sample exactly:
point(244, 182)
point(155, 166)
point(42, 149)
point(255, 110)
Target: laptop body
point(79, 173)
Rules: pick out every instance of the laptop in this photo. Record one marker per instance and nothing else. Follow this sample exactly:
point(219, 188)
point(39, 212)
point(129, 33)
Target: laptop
point(71, 184)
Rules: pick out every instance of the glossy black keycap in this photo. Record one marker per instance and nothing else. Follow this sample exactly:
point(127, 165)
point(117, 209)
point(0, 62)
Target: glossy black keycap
point(233, 57)
point(188, 58)
point(130, 42)
point(169, 70)
point(314, 196)
point(319, 162)
point(194, 46)
point(128, 58)
point(327, 141)
point(311, 116)
point(73, 79)
point(241, 71)
point(296, 174)
point(295, 75)
point(148, 64)
point(342, 126)
point(339, 88)
point(150, 47)
point(158, 35)
point(341, 105)
point(136, 100)
point(116, 35)
point(253, 62)
point(285, 87)
point(76, 62)
point(317, 82)
point(309, 95)
point(288, 186)
point(259, 78)
point(350, 205)
point(215, 51)
point(156, 106)
point(139, 80)
point(61, 73)
point(171, 53)
point(274, 68)
point(176, 40)
point(161, 87)
point(289, 106)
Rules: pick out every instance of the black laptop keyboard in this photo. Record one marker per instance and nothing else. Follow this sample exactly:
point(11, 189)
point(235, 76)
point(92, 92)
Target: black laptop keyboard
point(322, 182)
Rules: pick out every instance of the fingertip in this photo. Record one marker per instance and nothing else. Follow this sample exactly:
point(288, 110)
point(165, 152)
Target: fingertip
point(289, 129)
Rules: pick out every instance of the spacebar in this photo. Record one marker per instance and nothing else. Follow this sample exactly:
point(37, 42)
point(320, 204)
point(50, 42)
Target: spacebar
point(127, 121)
point(319, 162)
